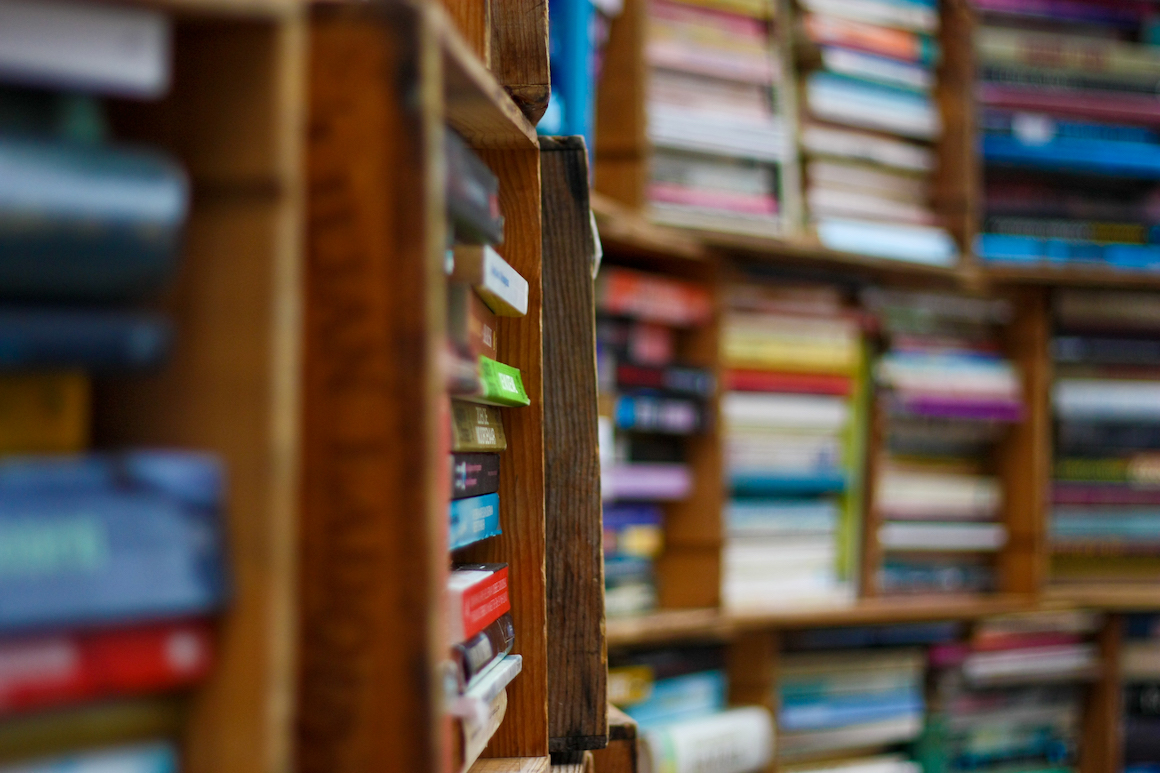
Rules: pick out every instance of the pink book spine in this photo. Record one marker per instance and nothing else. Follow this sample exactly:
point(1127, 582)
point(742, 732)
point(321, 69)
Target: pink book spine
point(749, 204)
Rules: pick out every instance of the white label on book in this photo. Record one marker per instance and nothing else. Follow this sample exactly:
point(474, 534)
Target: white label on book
point(85, 46)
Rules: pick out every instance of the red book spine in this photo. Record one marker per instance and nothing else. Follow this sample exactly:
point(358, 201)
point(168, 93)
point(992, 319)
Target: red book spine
point(484, 602)
point(1019, 641)
point(42, 671)
point(1095, 105)
point(771, 381)
point(481, 328)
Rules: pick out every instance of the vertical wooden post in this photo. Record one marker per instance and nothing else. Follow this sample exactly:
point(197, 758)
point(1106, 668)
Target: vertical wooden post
point(577, 654)
point(621, 133)
point(620, 754)
point(1101, 747)
point(752, 661)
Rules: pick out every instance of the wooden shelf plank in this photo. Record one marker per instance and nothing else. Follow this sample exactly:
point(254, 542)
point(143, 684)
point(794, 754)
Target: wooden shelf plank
point(262, 9)
point(1120, 597)
point(624, 230)
point(674, 625)
point(1071, 276)
point(512, 765)
point(476, 105)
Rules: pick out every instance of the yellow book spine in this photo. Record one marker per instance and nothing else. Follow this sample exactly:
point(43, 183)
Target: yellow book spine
point(44, 413)
point(773, 355)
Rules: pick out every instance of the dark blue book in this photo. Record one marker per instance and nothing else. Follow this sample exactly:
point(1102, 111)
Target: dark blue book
point(110, 539)
point(81, 221)
point(43, 338)
point(754, 484)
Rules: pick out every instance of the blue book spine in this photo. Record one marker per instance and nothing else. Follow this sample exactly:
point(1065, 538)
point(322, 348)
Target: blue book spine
point(87, 222)
point(872, 92)
point(1001, 248)
point(681, 697)
point(620, 515)
point(773, 483)
point(845, 711)
point(473, 519)
point(93, 340)
point(1068, 154)
point(145, 758)
point(1001, 122)
point(128, 552)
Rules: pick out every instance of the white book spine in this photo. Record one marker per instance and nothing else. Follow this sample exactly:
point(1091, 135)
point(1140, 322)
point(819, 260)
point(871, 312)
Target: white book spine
point(734, 741)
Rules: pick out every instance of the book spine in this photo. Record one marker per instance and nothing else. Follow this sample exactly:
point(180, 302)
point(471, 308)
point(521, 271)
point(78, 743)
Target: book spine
point(473, 519)
point(481, 323)
point(476, 428)
point(499, 285)
point(483, 602)
point(732, 741)
point(474, 475)
point(1070, 81)
point(646, 413)
point(1082, 54)
point(1058, 228)
point(695, 382)
point(73, 339)
point(650, 298)
point(472, 195)
point(143, 758)
point(476, 732)
point(1095, 105)
point(500, 385)
point(893, 43)
point(55, 670)
point(87, 223)
point(475, 656)
point(44, 413)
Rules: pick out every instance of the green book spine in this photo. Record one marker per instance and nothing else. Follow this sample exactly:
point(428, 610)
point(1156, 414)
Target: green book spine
point(499, 384)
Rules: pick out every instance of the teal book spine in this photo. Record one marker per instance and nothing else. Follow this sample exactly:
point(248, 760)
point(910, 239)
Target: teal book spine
point(473, 519)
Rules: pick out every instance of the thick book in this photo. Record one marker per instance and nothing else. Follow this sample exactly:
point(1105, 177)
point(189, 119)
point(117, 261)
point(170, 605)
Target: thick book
point(762, 483)
point(785, 411)
point(715, 134)
point(44, 413)
point(836, 201)
point(35, 338)
point(780, 517)
point(873, 39)
point(840, 142)
point(936, 495)
point(1062, 662)
point(1106, 399)
point(477, 428)
point(474, 475)
point(675, 379)
point(119, 50)
point(500, 286)
point(869, 179)
point(156, 757)
point(87, 222)
point(1023, 249)
point(472, 194)
point(1076, 155)
point(934, 536)
point(733, 741)
point(1126, 13)
point(652, 297)
point(1078, 53)
point(472, 658)
point(903, 14)
point(654, 413)
point(473, 519)
point(143, 530)
point(477, 596)
point(879, 69)
point(869, 105)
point(927, 245)
point(783, 381)
point(40, 671)
point(499, 385)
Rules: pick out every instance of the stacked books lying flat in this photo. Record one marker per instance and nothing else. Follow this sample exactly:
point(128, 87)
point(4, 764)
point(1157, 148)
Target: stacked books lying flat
point(651, 407)
point(1140, 672)
point(713, 117)
point(677, 697)
point(872, 117)
point(793, 417)
point(835, 703)
point(1105, 515)
point(946, 395)
point(481, 635)
point(1067, 95)
point(114, 563)
point(1011, 697)
point(481, 287)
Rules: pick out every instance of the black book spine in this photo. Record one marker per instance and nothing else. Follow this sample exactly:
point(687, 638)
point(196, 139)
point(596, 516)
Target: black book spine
point(474, 475)
point(474, 656)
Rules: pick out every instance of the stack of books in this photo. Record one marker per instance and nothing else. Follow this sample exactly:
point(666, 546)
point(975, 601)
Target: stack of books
point(113, 561)
point(481, 287)
point(678, 699)
point(1140, 672)
point(1068, 115)
point(1105, 515)
point(793, 421)
point(713, 116)
point(834, 703)
point(946, 393)
point(651, 404)
point(1010, 696)
point(871, 118)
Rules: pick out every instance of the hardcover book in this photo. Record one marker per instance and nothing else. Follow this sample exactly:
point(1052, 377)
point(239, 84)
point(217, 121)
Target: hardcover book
point(474, 475)
point(477, 596)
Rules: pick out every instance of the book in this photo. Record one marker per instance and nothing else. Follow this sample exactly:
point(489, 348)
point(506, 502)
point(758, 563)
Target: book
point(795, 745)
point(33, 338)
point(826, 201)
point(472, 733)
point(652, 413)
point(476, 596)
point(913, 576)
point(934, 536)
point(824, 29)
point(112, 520)
point(785, 411)
point(499, 285)
point(124, 51)
point(157, 757)
point(476, 428)
point(679, 380)
point(80, 729)
point(1104, 12)
point(1104, 350)
point(878, 69)
point(833, 711)
point(1107, 310)
point(472, 194)
point(1095, 105)
point(932, 494)
point(473, 519)
point(837, 142)
point(1061, 228)
point(740, 380)
point(472, 658)
point(44, 413)
point(474, 475)
point(1078, 53)
point(1090, 399)
point(867, 178)
point(1001, 247)
point(773, 483)
point(886, 763)
point(646, 481)
point(633, 529)
point(911, 243)
point(715, 134)
point(679, 697)
point(87, 222)
point(918, 16)
point(1070, 81)
point(1117, 494)
point(41, 671)
point(869, 105)
point(1079, 155)
point(732, 741)
point(470, 323)
point(1030, 664)
point(653, 298)
point(488, 686)
point(702, 93)
point(780, 517)
point(499, 385)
